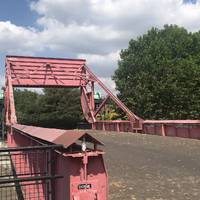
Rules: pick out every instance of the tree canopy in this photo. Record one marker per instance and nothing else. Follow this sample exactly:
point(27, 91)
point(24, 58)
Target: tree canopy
point(55, 108)
point(158, 75)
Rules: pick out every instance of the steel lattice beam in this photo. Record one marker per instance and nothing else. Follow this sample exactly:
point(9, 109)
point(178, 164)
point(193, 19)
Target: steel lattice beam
point(52, 72)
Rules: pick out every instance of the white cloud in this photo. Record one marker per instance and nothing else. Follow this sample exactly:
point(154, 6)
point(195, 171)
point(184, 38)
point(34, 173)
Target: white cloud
point(102, 65)
point(16, 39)
point(98, 28)
point(119, 15)
point(79, 39)
point(93, 29)
point(108, 83)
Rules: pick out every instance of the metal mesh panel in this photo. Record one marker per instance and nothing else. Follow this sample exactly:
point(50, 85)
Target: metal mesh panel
point(29, 163)
point(22, 191)
point(26, 174)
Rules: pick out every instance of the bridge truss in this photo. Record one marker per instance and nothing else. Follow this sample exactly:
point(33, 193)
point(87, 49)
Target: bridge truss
point(52, 72)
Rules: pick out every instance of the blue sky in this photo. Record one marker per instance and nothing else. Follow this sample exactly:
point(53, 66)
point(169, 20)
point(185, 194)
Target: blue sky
point(18, 12)
point(190, 1)
point(93, 29)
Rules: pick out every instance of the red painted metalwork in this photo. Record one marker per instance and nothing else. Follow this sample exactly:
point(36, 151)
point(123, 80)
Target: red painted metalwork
point(45, 72)
point(56, 136)
point(25, 172)
point(83, 170)
point(174, 128)
point(50, 72)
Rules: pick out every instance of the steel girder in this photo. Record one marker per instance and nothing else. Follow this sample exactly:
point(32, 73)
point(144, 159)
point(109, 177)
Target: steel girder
point(55, 72)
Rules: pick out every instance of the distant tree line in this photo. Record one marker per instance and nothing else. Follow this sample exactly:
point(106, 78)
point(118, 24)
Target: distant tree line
point(55, 108)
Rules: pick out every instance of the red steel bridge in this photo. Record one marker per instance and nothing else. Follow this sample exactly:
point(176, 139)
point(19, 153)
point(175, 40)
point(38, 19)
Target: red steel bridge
point(54, 164)
point(53, 72)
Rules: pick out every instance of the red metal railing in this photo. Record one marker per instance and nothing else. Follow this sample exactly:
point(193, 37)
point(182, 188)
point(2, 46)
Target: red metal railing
point(174, 128)
point(116, 125)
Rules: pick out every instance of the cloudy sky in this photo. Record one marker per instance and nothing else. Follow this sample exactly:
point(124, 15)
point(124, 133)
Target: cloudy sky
point(93, 29)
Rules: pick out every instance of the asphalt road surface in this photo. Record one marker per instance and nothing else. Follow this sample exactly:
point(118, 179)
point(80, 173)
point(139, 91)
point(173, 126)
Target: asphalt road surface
point(147, 167)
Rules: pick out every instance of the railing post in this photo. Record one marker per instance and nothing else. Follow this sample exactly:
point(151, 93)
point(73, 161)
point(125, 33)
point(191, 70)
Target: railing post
point(103, 126)
point(118, 130)
point(163, 131)
point(94, 126)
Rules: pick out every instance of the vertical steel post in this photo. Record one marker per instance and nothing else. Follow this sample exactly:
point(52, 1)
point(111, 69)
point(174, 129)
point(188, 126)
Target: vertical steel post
point(163, 130)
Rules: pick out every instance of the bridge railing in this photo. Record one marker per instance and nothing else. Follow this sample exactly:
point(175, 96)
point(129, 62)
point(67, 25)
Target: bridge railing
point(173, 128)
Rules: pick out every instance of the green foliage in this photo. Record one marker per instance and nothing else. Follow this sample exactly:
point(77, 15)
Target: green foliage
point(27, 106)
point(56, 108)
point(159, 74)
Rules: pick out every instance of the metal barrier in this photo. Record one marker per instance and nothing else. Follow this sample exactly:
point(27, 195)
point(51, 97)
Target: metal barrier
point(27, 173)
point(173, 128)
point(117, 125)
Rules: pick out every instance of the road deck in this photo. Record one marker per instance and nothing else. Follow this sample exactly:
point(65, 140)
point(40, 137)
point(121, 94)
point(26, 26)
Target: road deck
point(148, 167)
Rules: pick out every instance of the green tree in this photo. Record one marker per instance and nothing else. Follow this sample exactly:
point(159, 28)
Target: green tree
point(27, 105)
point(60, 108)
point(158, 76)
point(55, 108)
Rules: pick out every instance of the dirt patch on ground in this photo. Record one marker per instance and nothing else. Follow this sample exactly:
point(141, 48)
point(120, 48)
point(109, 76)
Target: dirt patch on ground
point(147, 167)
